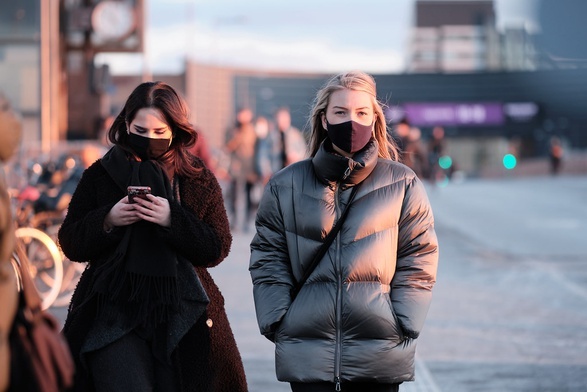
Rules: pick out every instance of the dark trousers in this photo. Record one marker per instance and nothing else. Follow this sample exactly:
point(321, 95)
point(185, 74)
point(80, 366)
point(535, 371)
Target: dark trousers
point(345, 387)
point(128, 365)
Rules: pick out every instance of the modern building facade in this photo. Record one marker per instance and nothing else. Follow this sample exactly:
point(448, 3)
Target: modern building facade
point(461, 36)
point(47, 69)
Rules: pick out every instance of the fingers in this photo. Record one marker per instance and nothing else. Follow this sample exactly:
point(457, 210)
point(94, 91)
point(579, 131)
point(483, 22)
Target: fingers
point(155, 209)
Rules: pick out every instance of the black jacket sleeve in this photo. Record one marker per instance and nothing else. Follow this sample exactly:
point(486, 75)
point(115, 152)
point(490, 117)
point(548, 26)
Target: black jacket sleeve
point(82, 236)
point(200, 230)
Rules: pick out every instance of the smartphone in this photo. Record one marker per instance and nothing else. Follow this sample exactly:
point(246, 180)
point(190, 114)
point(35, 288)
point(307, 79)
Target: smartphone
point(137, 191)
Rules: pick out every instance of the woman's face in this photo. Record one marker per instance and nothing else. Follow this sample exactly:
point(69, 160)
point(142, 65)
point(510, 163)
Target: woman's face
point(346, 105)
point(149, 122)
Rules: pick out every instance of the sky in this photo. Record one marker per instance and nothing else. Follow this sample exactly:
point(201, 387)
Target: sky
point(301, 35)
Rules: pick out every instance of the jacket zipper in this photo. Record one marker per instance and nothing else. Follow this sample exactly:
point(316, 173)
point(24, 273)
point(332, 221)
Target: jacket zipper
point(338, 264)
point(338, 326)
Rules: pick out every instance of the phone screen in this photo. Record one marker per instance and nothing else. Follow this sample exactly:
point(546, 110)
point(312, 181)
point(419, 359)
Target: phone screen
point(137, 191)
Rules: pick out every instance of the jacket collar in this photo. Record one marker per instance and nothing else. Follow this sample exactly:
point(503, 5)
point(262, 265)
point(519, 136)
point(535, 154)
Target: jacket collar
point(331, 167)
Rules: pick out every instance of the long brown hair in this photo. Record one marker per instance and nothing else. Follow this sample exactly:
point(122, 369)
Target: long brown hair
point(160, 96)
point(352, 80)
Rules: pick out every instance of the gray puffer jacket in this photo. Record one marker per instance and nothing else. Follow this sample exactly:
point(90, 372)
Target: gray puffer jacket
point(359, 314)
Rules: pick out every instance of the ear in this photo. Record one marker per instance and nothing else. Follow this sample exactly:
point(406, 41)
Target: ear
point(323, 118)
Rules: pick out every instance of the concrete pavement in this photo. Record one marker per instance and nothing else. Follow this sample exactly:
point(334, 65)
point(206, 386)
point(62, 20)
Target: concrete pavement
point(510, 307)
point(233, 278)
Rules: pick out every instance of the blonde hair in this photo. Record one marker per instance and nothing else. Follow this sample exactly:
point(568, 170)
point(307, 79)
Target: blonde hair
point(358, 81)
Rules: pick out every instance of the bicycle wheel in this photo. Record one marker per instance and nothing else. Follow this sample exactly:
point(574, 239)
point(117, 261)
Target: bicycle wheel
point(45, 263)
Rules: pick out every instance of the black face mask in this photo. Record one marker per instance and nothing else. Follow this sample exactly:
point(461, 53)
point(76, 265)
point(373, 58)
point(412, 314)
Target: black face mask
point(148, 148)
point(349, 136)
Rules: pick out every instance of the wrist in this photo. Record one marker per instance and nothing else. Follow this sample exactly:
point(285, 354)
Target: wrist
point(107, 226)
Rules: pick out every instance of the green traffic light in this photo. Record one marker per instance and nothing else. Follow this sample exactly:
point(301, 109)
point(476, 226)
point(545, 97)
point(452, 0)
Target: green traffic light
point(445, 162)
point(509, 161)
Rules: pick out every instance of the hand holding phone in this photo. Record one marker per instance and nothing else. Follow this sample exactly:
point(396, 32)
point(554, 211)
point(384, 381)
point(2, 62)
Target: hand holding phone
point(137, 191)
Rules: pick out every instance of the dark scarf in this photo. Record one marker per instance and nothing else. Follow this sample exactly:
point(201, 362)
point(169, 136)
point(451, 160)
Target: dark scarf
point(330, 166)
point(140, 279)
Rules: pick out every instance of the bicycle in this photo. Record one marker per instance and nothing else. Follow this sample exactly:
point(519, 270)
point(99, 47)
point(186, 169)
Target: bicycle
point(49, 222)
point(55, 286)
point(46, 263)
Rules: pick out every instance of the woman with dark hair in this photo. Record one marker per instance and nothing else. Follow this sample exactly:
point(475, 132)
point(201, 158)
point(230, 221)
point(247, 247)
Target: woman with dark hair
point(146, 314)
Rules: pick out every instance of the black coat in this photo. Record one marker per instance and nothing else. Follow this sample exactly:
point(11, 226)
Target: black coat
point(358, 316)
point(207, 358)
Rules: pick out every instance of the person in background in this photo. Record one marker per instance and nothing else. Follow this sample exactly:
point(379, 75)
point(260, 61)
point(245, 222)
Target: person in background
point(555, 154)
point(410, 146)
point(264, 162)
point(401, 134)
point(146, 314)
point(414, 153)
point(436, 149)
point(279, 146)
point(10, 134)
point(354, 324)
point(241, 147)
point(290, 145)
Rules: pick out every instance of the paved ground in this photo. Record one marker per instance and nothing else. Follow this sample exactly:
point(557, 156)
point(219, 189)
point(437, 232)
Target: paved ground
point(510, 306)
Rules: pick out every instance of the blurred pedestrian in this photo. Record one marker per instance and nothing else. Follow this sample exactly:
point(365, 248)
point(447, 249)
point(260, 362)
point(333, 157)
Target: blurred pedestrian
point(264, 159)
point(555, 154)
point(354, 322)
point(241, 147)
point(410, 146)
point(436, 149)
point(146, 314)
point(10, 134)
point(401, 133)
point(414, 153)
point(291, 146)
point(281, 146)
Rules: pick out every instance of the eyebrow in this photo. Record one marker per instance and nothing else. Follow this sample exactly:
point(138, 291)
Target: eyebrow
point(342, 107)
point(155, 129)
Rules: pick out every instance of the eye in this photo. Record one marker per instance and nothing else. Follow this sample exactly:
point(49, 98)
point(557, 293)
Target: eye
point(339, 112)
point(140, 130)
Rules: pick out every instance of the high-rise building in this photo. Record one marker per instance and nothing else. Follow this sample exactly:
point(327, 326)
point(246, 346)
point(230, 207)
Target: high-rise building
point(454, 36)
point(461, 36)
point(518, 51)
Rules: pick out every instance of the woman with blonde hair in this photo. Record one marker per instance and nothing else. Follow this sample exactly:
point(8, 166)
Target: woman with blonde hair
point(349, 319)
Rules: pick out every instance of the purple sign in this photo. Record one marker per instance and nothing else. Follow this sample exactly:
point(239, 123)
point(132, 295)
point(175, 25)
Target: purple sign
point(469, 114)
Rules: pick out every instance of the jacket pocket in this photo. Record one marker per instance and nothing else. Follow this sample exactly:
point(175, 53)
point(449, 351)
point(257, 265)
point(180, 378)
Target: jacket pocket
point(401, 338)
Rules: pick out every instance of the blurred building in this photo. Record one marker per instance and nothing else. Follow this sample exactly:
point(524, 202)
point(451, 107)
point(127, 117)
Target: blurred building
point(461, 36)
point(483, 113)
point(21, 53)
point(489, 90)
point(518, 50)
point(562, 31)
point(47, 68)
